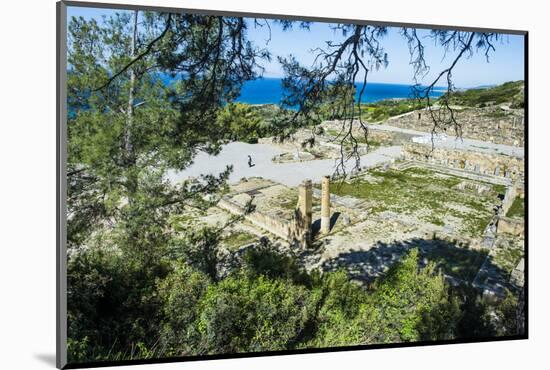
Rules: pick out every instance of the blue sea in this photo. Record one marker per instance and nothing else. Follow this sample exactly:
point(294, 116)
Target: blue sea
point(269, 91)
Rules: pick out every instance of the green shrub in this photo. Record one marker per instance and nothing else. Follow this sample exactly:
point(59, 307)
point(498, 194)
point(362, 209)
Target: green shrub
point(240, 314)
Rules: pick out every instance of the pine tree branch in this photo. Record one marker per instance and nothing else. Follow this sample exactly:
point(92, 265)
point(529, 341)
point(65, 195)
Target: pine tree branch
point(139, 56)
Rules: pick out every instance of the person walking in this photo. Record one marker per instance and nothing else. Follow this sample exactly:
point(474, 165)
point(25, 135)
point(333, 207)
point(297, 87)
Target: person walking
point(250, 164)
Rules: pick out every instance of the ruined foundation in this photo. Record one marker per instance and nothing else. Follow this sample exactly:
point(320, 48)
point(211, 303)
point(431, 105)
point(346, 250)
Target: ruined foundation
point(508, 168)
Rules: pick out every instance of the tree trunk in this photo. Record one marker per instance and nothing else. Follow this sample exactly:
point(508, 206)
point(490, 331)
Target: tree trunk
point(131, 91)
point(128, 146)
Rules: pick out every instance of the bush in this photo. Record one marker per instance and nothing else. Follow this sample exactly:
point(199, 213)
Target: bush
point(180, 294)
point(111, 305)
point(408, 304)
point(241, 314)
point(119, 309)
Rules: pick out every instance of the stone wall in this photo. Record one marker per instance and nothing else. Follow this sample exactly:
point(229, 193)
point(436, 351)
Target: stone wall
point(290, 231)
point(492, 124)
point(509, 197)
point(510, 226)
point(277, 227)
point(518, 274)
point(487, 164)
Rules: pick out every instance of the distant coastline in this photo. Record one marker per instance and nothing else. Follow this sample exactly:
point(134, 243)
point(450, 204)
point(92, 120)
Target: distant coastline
point(269, 91)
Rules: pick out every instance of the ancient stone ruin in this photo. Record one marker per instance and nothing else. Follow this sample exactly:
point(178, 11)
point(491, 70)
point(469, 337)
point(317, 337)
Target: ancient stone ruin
point(506, 167)
point(296, 231)
point(301, 229)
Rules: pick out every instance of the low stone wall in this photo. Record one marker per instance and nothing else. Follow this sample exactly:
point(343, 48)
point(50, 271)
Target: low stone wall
point(278, 228)
point(509, 197)
point(470, 175)
point(487, 164)
point(291, 157)
point(518, 274)
point(510, 226)
point(468, 185)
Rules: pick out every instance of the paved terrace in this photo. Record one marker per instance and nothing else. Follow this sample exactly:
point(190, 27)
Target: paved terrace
point(292, 174)
point(289, 174)
point(451, 142)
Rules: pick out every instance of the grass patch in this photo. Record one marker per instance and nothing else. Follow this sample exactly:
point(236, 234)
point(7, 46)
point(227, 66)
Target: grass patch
point(507, 257)
point(237, 239)
point(517, 210)
point(382, 110)
point(422, 191)
point(289, 202)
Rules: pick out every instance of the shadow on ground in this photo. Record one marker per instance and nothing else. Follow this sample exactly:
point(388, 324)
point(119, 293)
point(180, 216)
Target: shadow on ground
point(316, 224)
point(458, 264)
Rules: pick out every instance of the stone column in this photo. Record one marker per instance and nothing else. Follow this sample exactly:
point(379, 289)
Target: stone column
point(304, 211)
point(325, 205)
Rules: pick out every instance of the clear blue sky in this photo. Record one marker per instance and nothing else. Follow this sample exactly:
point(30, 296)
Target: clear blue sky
point(505, 64)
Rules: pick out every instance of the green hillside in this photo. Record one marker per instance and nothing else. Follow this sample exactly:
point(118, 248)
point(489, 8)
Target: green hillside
point(509, 92)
